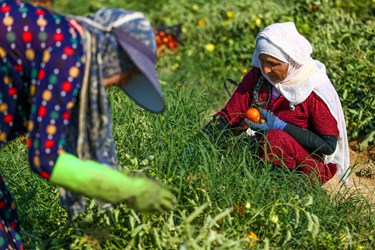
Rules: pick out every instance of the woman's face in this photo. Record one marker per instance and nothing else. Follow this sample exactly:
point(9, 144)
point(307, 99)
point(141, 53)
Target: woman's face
point(121, 79)
point(275, 69)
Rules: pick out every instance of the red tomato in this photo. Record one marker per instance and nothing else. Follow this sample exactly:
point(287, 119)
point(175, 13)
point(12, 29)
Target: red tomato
point(253, 114)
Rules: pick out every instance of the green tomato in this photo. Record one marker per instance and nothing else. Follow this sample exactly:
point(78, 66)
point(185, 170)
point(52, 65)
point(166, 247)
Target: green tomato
point(274, 219)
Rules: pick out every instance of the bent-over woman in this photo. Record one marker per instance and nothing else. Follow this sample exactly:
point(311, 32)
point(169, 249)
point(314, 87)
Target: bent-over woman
point(54, 71)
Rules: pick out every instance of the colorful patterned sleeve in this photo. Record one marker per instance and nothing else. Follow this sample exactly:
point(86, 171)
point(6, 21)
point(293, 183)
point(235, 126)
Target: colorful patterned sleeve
point(51, 110)
point(53, 98)
point(44, 64)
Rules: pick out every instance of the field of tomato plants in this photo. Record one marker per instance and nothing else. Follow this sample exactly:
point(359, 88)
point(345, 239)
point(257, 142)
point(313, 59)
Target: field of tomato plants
point(227, 198)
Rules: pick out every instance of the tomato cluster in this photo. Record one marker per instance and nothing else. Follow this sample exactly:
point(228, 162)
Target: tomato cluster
point(166, 39)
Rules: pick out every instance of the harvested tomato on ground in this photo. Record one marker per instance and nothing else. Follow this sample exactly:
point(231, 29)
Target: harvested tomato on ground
point(167, 38)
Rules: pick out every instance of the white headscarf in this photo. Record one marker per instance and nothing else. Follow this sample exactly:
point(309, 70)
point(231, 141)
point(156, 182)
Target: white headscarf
point(283, 41)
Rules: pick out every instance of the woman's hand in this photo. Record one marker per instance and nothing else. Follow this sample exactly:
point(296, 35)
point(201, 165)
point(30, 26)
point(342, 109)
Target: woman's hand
point(271, 122)
point(146, 195)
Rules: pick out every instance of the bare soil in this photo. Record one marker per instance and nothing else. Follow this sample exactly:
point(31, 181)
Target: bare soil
point(362, 178)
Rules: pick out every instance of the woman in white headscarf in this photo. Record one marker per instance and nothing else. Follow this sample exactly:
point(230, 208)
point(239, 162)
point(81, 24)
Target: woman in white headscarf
point(304, 124)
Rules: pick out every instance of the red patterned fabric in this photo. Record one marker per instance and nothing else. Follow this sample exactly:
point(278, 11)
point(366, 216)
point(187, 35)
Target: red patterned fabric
point(283, 150)
point(279, 147)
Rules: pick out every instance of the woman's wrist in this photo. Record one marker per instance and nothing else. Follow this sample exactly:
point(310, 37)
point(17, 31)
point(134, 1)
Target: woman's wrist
point(89, 178)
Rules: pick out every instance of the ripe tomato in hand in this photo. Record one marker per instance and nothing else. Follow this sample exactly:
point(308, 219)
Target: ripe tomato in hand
point(253, 114)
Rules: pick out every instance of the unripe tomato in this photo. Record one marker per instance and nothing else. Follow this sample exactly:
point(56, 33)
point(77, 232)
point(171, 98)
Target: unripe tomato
point(253, 114)
point(274, 219)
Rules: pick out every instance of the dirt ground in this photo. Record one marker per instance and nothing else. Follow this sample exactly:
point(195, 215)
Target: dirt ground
point(362, 178)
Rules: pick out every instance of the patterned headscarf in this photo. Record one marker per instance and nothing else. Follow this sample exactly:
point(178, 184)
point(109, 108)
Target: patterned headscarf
point(105, 57)
point(114, 59)
point(90, 134)
point(126, 40)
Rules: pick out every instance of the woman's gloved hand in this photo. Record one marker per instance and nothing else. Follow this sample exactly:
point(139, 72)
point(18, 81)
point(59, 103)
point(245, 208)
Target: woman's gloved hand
point(146, 195)
point(98, 181)
point(271, 122)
